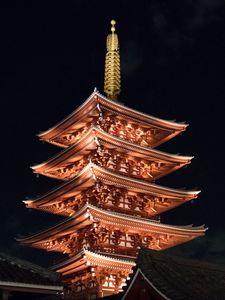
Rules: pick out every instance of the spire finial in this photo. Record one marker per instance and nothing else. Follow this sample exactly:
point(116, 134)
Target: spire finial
point(112, 64)
point(113, 23)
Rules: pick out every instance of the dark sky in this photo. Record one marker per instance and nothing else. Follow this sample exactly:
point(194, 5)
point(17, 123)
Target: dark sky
point(173, 66)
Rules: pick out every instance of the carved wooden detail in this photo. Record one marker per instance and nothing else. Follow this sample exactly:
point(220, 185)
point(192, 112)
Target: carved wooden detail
point(99, 238)
point(113, 161)
point(80, 284)
point(116, 126)
point(126, 165)
point(126, 130)
point(97, 279)
point(71, 137)
point(113, 198)
point(69, 171)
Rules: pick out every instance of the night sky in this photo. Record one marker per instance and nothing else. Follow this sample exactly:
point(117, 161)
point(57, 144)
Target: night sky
point(173, 67)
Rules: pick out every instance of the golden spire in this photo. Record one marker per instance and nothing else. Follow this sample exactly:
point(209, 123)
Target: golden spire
point(112, 65)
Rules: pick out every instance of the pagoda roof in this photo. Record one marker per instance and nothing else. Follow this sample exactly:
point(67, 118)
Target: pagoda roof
point(90, 214)
point(87, 258)
point(85, 111)
point(95, 136)
point(92, 173)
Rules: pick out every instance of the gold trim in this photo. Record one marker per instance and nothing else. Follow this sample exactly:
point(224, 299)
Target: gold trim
point(112, 84)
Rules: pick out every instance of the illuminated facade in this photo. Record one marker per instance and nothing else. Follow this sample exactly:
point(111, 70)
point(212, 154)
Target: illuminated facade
point(108, 193)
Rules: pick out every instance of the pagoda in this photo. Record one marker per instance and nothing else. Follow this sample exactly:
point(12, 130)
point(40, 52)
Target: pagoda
point(108, 195)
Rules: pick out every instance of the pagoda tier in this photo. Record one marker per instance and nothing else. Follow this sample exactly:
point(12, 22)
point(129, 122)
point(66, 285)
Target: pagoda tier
point(110, 232)
point(110, 152)
point(114, 118)
point(110, 191)
point(97, 274)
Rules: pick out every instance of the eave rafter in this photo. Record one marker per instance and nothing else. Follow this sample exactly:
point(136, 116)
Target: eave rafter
point(84, 115)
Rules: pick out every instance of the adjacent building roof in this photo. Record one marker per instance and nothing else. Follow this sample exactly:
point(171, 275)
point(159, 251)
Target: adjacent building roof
point(176, 278)
point(19, 274)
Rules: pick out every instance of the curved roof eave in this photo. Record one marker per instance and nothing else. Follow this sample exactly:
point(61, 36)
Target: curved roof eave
point(88, 208)
point(88, 172)
point(119, 107)
point(102, 134)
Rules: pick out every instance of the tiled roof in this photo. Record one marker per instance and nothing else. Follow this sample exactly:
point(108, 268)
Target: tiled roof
point(20, 271)
point(180, 278)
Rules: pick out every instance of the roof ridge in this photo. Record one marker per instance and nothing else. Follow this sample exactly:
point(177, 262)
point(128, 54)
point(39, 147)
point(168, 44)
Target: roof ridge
point(139, 112)
point(157, 255)
point(150, 221)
